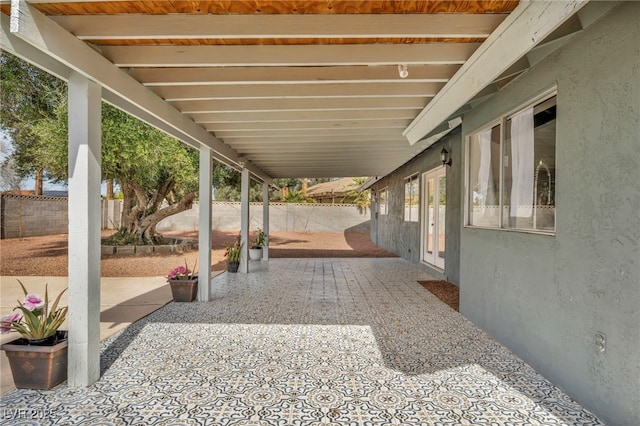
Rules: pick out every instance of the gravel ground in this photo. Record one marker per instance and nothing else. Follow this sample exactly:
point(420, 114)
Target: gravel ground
point(47, 255)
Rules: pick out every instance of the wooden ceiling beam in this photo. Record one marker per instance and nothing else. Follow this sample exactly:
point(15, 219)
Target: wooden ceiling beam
point(295, 116)
point(187, 26)
point(300, 104)
point(308, 125)
point(292, 91)
point(288, 75)
point(311, 139)
point(275, 134)
point(292, 55)
point(231, 7)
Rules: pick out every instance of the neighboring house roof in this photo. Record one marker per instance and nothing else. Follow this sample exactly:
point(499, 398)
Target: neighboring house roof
point(334, 187)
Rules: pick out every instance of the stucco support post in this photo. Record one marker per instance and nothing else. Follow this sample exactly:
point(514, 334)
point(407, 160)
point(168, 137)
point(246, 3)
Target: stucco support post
point(204, 224)
point(265, 219)
point(244, 222)
point(84, 230)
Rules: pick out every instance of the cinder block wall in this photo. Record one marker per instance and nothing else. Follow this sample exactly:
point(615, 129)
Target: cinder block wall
point(30, 216)
point(282, 217)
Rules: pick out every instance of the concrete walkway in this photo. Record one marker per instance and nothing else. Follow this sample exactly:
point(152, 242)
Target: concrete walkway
point(122, 302)
point(308, 342)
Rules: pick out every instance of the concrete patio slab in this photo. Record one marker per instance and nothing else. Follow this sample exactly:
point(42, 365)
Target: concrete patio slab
point(309, 342)
point(122, 302)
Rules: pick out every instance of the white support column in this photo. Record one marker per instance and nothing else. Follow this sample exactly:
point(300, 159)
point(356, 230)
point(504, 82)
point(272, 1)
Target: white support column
point(204, 222)
point(244, 222)
point(265, 219)
point(84, 230)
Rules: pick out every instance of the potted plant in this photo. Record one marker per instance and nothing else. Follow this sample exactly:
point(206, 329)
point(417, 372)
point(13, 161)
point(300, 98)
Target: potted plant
point(38, 360)
point(255, 252)
point(233, 255)
point(183, 283)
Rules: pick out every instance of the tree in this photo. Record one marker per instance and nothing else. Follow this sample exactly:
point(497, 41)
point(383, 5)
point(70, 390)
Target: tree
point(9, 178)
point(227, 184)
point(158, 175)
point(28, 95)
point(362, 199)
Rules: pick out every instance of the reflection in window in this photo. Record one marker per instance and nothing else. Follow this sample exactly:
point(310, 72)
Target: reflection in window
point(411, 199)
point(383, 203)
point(484, 161)
point(512, 173)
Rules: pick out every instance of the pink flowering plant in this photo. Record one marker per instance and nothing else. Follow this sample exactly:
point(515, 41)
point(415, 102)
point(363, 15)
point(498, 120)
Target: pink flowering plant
point(182, 273)
point(33, 319)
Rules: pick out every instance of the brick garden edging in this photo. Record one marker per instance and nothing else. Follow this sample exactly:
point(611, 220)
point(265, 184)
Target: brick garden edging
point(176, 246)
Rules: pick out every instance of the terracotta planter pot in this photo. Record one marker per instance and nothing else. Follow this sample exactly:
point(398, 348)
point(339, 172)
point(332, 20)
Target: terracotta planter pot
point(233, 266)
point(184, 290)
point(255, 253)
point(37, 366)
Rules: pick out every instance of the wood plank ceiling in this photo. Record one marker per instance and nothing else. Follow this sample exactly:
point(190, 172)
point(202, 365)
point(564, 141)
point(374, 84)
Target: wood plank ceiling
point(298, 88)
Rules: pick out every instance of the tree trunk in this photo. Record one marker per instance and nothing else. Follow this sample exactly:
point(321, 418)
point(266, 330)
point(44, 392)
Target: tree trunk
point(305, 185)
point(39, 179)
point(109, 189)
point(141, 212)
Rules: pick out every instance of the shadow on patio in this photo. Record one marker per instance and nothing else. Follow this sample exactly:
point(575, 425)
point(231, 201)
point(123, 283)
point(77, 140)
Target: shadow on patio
point(310, 341)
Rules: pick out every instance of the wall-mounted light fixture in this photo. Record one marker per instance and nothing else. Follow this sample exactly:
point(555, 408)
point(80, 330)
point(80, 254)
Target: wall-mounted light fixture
point(403, 71)
point(444, 157)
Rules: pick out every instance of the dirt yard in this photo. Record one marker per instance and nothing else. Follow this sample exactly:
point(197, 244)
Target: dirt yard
point(47, 256)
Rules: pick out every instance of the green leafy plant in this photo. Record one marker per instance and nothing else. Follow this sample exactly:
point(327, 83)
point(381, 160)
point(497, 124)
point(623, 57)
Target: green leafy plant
point(262, 240)
point(33, 319)
point(233, 250)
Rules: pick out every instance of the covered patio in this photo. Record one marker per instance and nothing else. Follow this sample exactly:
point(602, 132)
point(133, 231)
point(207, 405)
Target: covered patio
point(279, 89)
point(306, 342)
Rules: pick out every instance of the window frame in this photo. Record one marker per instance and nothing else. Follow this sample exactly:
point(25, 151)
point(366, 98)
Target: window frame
point(415, 177)
point(502, 121)
point(384, 191)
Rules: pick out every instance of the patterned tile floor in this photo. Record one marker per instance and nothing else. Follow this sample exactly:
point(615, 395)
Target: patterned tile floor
point(306, 342)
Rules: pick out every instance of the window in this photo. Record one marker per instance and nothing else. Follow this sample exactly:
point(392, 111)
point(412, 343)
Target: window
point(411, 199)
point(383, 207)
point(512, 169)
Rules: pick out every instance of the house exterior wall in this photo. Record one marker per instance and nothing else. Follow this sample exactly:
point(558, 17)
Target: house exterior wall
point(546, 297)
point(392, 233)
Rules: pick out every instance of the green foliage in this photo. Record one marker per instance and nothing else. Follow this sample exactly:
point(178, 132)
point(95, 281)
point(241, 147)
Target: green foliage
point(227, 184)
point(297, 197)
point(29, 95)
point(133, 151)
point(42, 322)
point(262, 240)
point(292, 183)
point(362, 199)
point(233, 250)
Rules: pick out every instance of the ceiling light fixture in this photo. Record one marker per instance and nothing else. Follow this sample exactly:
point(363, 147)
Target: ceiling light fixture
point(403, 71)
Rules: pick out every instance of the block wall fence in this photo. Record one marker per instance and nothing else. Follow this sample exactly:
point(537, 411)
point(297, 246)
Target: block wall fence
point(29, 216)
